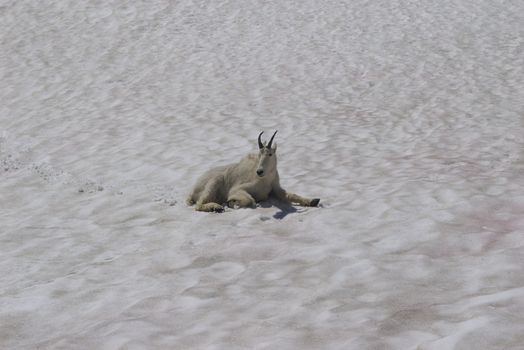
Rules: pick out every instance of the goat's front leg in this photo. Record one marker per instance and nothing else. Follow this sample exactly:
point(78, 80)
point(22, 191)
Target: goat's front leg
point(241, 199)
point(285, 196)
point(306, 202)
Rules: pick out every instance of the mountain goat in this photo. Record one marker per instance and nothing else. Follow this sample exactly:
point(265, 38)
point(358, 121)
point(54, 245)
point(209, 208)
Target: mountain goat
point(253, 179)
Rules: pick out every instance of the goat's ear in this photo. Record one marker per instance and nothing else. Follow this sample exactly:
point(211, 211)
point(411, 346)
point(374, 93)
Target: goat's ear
point(274, 147)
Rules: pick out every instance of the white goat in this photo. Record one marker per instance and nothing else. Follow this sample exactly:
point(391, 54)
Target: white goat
point(251, 180)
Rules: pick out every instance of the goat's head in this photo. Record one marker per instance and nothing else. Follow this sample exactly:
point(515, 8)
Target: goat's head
point(267, 156)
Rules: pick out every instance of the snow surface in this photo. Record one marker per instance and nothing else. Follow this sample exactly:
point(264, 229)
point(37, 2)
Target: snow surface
point(405, 117)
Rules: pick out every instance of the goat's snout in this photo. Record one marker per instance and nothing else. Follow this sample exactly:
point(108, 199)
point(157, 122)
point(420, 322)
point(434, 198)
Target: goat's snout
point(260, 172)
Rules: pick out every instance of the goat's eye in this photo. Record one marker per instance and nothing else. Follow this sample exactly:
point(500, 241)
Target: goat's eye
point(270, 154)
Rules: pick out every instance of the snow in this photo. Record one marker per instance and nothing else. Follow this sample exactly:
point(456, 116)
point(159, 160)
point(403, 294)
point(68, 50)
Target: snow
point(404, 117)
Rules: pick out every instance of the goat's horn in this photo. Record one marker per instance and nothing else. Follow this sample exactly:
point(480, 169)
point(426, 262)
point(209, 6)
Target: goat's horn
point(260, 144)
point(271, 141)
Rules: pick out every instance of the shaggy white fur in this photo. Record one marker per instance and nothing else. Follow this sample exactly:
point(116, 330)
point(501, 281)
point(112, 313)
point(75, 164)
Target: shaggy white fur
point(245, 183)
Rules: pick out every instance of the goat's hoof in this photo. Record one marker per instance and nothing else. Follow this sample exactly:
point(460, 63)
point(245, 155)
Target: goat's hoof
point(314, 202)
point(210, 207)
